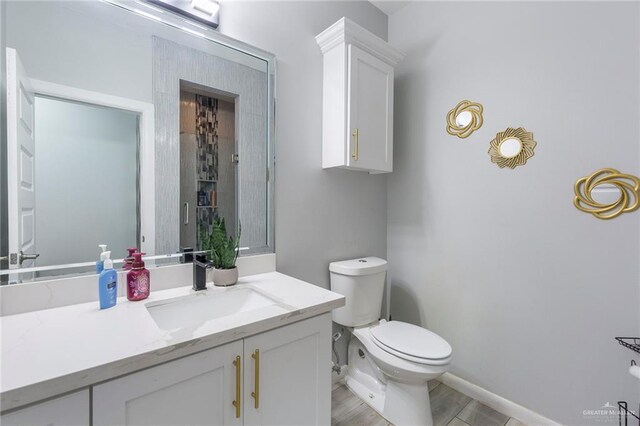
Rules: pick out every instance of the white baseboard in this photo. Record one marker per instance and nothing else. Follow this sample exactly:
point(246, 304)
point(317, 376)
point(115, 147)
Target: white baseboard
point(496, 402)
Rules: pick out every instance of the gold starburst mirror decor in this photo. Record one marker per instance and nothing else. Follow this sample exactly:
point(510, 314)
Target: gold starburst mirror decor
point(607, 193)
point(512, 147)
point(464, 119)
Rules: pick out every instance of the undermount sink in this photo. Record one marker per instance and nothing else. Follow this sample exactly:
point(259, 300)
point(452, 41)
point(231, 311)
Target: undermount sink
point(198, 308)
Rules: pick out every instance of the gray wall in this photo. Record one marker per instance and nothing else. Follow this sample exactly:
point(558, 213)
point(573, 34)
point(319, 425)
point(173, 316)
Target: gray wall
point(321, 215)
point(85, 175)
point(529, 291)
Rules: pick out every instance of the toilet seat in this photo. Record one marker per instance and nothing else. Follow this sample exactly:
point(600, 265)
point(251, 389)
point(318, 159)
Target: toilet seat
point(412, 343)
point(399, 367)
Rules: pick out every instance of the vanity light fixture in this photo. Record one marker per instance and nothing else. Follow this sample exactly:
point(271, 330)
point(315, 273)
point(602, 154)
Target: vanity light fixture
point(204, 11)
point(209, 7)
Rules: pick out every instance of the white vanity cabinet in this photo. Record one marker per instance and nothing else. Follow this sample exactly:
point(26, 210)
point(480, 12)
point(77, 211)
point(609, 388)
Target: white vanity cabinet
point(288, 370)
point(285, 382)
point(68, 410)
point(358, 71)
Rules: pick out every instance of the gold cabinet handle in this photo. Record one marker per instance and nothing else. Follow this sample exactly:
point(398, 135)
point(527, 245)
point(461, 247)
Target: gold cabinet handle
point(356, 135)
point(256, 394)
point(236, 402)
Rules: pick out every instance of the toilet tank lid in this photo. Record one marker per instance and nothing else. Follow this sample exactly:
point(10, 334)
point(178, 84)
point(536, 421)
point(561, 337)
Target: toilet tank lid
point(361, 266)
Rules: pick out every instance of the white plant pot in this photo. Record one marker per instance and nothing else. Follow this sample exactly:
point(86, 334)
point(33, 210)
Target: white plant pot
point(225, 277)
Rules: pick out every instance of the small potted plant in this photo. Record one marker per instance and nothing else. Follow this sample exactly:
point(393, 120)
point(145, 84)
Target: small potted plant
point(222, 253)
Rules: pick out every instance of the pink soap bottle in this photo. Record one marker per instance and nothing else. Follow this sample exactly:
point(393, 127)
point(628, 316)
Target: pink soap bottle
point(138, 282)
point(128, 261)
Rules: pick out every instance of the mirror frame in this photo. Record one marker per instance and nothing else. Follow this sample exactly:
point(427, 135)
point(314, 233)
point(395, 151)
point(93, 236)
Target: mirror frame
point(148, 10)
point(473, 108)
point(526, 152)
point(629, 193)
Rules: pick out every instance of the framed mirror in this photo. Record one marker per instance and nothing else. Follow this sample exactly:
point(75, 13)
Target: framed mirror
point(607, 193)
point(464, 119)
point(136, 134)
point(512, 147)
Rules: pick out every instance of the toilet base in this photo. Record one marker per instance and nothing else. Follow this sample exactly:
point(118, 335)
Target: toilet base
point(401, 404)
point(407, 405)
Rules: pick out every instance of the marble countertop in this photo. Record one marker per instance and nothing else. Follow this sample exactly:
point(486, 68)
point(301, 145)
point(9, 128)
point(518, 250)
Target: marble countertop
point(54, 351)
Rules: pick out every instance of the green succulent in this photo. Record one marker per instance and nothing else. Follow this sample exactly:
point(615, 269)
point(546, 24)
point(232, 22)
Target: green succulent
point(221, 249)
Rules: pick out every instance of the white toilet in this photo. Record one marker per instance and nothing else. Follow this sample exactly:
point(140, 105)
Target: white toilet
point(389, 362)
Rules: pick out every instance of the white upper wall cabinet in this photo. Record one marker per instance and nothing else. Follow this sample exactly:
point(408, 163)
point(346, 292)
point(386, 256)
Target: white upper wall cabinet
point(357, 104)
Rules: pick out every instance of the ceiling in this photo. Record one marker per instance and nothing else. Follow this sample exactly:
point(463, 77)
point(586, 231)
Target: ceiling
point(390, 6)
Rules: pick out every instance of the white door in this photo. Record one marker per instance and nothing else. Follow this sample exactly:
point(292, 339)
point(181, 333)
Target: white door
point(290, 375)
point(68, 410)
point(20, 164)
point(370, 116)
point(196, 390)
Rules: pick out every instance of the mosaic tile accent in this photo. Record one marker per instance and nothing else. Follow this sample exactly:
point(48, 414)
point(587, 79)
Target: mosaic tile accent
point(207, 137)
point(206, 161)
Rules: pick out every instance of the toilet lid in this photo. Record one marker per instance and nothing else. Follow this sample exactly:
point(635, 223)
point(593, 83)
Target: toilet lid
point(411, 340)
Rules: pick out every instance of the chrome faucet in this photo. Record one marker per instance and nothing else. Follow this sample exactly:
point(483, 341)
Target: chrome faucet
point(200, 266)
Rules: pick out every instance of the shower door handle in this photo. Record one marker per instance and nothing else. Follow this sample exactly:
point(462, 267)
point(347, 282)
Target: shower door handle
point(23, 256)
point(185, 218)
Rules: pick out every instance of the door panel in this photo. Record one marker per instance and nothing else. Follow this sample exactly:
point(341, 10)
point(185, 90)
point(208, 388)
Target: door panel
point(370, 111)
point(294, 385)
point(195, 390)
point(20, 161)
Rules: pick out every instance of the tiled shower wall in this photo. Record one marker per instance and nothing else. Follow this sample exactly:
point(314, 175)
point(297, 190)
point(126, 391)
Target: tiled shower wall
point(207, 129)
point(173, 63)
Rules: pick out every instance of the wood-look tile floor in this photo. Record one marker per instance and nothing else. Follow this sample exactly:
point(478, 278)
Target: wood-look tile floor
point(449, 408)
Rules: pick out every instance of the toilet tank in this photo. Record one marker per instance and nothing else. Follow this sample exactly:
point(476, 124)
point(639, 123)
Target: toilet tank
point(361, 282)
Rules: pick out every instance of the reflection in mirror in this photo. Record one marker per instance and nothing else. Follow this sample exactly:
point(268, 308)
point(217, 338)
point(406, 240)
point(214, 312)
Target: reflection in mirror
point(85, 156)
point(464, 119)
point(512, 147)
point(135, 130)
point(207, 163)
point(606, 194)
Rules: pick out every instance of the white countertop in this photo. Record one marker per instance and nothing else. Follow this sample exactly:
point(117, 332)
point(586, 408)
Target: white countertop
point(53, 351)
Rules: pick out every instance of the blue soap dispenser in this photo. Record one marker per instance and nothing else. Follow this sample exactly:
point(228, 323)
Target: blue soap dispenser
point(100, 263)
point(108, 283)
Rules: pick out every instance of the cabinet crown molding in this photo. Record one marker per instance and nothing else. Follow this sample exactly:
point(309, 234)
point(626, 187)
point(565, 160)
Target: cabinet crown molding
point(347, 31)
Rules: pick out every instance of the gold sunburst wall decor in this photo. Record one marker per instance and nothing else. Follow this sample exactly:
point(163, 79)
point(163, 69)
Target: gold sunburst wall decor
point(512, 147)
point(627, 185)
point(464, 119)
